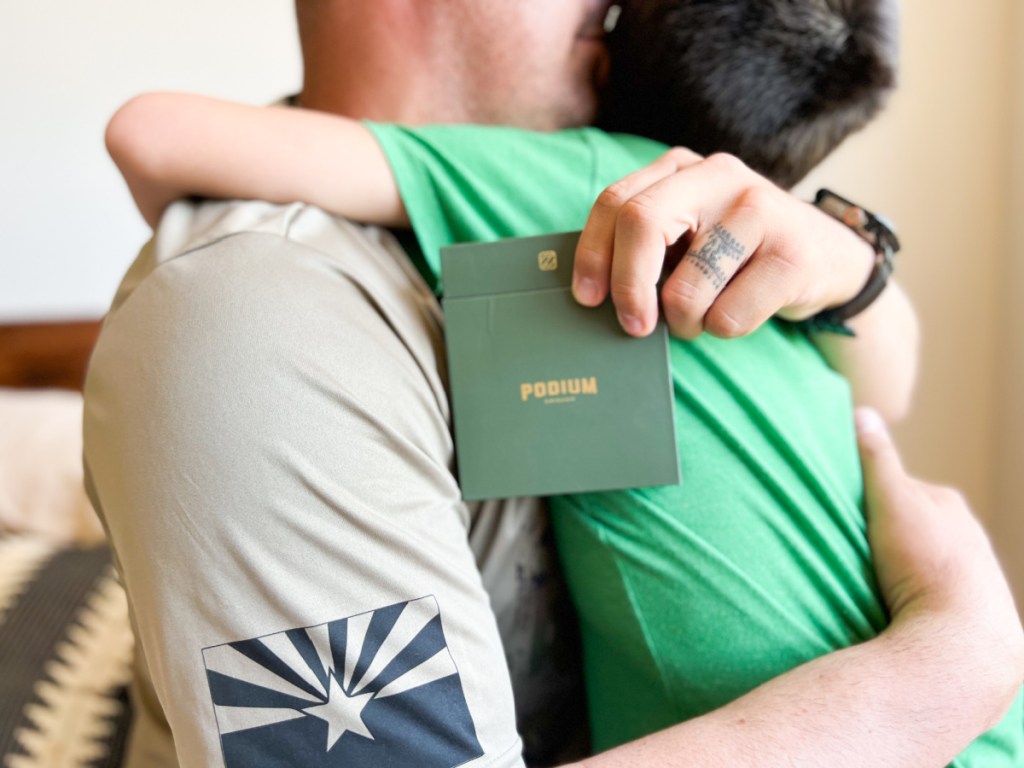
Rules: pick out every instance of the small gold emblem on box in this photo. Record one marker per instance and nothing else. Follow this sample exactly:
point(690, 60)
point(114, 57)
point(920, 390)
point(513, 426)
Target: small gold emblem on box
point(547, 261)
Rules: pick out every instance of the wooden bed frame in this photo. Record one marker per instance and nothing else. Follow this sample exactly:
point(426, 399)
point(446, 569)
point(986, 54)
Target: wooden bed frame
point(51, 354)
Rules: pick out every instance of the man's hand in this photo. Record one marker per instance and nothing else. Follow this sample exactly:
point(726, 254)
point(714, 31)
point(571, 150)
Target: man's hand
point(946, 670)
point(752, 250)
point(932, 557)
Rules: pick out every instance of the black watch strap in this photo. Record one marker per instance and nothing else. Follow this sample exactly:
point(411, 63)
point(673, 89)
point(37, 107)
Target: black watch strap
point(878, 233)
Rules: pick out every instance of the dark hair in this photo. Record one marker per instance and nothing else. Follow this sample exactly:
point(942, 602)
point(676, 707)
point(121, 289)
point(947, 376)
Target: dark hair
point(779, 83)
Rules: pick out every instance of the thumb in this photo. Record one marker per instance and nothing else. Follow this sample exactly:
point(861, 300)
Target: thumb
point(879, 458)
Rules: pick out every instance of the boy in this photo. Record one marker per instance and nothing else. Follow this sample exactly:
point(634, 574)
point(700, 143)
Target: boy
point(690, 595)
point(778, 83)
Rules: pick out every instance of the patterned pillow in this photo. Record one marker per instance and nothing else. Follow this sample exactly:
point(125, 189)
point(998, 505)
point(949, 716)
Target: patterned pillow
point(41, 467)
point(65, 656)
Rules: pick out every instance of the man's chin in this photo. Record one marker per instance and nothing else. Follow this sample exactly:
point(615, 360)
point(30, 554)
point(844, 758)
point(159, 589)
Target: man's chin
point(579, 107)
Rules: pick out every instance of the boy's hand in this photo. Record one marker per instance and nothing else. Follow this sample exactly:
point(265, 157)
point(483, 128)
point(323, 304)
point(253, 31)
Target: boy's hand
point(752, 250)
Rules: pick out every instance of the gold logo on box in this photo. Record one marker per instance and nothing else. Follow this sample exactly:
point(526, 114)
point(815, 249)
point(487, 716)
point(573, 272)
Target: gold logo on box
point(557, 390)
point(547, 261)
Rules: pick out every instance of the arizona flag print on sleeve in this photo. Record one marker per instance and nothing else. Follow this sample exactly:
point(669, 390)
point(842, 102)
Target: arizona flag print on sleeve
point(374, 689)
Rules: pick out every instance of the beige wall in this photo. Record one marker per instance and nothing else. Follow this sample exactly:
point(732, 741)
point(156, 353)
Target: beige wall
point(1008, 523)
point(938, 163)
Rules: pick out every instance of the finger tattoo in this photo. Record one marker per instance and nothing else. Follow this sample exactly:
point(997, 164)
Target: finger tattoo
point(720, 246)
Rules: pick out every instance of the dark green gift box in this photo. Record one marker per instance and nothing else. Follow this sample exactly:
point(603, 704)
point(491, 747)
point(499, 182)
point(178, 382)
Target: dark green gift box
point(549, 397)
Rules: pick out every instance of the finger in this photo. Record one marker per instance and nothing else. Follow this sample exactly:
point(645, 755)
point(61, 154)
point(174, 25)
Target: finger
point(657, 217)
point(769, 279)
point(694, 290)
point(766, 284)
point(641, 241)
point(592, 269)
point(884, 476)
point(946, 497)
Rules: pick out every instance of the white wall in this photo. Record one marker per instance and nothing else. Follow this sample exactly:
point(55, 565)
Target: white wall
point(69, 230)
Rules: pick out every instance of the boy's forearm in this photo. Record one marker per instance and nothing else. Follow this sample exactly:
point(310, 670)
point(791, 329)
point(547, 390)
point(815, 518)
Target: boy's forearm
point(135, 141)
point(881, 361)
point(174, 145)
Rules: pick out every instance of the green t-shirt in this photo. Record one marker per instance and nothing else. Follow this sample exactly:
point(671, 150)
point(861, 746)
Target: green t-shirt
point(452, 180)
point(690, 595)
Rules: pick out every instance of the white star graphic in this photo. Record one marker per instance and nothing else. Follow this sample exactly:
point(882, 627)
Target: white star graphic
point(341, 713)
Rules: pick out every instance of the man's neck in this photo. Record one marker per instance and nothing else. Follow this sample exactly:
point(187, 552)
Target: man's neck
point(369, 59)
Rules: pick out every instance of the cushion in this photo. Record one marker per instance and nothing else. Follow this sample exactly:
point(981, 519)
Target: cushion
point(41, 467)
point(65, 656)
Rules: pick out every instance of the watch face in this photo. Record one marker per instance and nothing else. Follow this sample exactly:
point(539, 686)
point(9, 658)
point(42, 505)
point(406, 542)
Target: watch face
point(837, 207)
point(877, 230)
point(854, 217)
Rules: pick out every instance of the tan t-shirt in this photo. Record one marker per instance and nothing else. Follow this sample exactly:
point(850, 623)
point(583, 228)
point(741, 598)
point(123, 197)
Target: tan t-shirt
point(267, 441)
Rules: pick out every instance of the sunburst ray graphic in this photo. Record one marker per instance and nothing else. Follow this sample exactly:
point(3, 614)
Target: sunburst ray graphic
point(330, 672)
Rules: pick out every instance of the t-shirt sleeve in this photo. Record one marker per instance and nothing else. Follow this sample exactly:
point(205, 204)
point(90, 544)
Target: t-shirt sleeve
point(466, 183)
point(294, 502)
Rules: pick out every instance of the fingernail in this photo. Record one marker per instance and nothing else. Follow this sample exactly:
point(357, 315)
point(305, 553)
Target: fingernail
point(586, 291)
point(633, 325)
point(869, 422)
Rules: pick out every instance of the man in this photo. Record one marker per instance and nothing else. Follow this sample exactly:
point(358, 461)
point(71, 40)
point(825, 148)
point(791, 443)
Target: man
point(267, 439)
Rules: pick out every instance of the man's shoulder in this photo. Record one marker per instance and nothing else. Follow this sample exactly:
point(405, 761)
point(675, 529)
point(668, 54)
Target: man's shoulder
point(188, 225)
point(191, 228)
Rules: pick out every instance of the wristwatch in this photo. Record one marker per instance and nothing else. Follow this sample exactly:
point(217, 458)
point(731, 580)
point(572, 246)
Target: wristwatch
point(878, 233)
